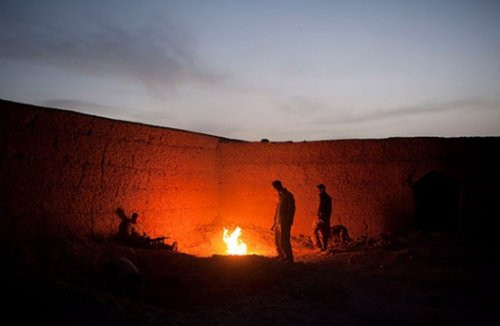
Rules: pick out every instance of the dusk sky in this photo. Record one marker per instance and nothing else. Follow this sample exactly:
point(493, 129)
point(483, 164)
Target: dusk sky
point(282, 70)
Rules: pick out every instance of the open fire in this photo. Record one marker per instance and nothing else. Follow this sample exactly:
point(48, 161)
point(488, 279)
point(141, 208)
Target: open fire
point(235, 246)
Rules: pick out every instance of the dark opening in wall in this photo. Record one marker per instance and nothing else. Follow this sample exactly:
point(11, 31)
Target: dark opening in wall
point(437, 199)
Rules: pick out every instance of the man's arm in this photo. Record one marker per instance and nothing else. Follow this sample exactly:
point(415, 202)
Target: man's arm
point(160, 238)
point(320, 207)
point(133, 231)
point(276, 212)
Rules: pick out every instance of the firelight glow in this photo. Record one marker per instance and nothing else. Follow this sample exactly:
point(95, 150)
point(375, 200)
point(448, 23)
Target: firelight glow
point(235, 246)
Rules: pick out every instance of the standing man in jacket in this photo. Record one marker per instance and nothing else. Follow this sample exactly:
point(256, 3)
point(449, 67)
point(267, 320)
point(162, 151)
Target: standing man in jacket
point(323, 218)
point(283, 220)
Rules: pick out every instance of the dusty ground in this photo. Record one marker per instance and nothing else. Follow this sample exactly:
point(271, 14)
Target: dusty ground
point(413, 280)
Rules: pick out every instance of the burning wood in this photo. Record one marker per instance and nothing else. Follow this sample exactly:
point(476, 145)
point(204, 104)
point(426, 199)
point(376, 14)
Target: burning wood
point(235, 246)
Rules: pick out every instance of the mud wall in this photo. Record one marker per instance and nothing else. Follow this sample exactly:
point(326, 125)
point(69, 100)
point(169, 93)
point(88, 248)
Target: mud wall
point(370, 181)
point(64, 172)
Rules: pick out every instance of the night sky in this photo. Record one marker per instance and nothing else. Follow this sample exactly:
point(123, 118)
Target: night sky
point(282, 70)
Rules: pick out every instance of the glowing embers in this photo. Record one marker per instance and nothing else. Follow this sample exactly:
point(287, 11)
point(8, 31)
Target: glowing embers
point(233, 242)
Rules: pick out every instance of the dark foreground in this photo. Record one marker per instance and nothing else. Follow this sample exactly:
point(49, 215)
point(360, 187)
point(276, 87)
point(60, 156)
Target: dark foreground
point(417, 280)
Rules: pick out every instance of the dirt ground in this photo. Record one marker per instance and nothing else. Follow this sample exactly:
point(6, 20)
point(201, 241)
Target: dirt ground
point(419, 279)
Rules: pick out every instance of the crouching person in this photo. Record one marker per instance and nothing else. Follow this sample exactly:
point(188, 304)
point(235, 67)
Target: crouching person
point(129, 234)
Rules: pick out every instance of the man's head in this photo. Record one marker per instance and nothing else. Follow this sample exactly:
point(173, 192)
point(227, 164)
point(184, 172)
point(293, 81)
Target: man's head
point(277, 185)
point(321, 188)
point(134, 217)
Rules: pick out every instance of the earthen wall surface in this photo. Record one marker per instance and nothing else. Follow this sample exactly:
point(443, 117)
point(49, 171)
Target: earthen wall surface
point(64, 172)
point(370, 181)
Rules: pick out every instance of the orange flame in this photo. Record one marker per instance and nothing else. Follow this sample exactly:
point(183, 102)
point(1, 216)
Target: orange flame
point(233, 242)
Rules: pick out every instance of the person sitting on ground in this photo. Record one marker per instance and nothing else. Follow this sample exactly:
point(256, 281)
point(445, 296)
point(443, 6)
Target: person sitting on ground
point(130, 235)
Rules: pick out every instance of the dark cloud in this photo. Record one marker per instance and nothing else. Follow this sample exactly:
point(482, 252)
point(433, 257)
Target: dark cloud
point(158, 53)
point(337, 124)
point(73, 104)
point(427, 108)
point(89, 107)
point(435, 107)
point(152, 116)
point(303, 112)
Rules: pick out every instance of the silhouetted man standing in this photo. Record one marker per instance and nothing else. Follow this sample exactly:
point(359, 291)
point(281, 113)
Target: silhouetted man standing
point(283, 220)
point(323, 218)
